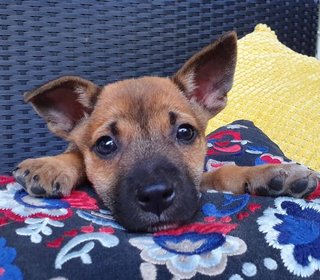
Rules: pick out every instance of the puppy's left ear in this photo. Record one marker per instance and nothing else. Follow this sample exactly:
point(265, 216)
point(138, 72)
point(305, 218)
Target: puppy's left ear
point(207, 76)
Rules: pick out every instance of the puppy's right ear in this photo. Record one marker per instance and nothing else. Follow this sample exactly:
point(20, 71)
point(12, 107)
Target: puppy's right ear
point(207, 76)
point(63, 102)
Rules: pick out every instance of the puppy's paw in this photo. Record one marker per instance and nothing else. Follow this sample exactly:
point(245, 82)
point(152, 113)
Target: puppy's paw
point(46, 177)
point(285, 179)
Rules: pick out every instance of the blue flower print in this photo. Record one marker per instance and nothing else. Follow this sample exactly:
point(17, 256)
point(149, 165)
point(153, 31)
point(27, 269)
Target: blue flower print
point(232, 204)
point(294, 228)
point(101, 217)
point(191, 249)
point(8, 271)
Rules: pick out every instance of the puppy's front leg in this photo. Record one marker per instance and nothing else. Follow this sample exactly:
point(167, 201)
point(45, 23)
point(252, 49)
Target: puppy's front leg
point(267, 180)
point(53, 176)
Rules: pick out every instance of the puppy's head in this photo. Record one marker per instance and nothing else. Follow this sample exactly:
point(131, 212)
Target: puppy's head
point(143, 139)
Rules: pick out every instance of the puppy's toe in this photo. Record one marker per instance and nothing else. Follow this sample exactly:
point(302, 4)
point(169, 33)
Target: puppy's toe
point(303, 186)
point(269, 181)
point(286, 179)
point(299, 186)
point(38, 190)
point(277, 183)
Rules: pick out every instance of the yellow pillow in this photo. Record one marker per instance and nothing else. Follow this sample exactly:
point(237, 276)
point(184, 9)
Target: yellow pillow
point(279, 90)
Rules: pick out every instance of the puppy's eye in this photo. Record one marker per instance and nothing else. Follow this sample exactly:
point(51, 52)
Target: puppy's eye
point(186, 133)
point(105, 146)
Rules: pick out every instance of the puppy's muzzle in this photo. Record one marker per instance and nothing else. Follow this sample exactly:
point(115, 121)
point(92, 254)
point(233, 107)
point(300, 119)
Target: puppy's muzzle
point(153, 194)
point(156, 198)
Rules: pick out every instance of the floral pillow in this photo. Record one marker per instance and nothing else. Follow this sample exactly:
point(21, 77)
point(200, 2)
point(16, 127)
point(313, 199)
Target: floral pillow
point(233, 236)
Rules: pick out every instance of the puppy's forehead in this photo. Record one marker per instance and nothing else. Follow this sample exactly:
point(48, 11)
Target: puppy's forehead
point(141, 98)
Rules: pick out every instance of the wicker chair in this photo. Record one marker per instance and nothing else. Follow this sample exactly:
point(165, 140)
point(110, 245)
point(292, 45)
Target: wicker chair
point(106, 41)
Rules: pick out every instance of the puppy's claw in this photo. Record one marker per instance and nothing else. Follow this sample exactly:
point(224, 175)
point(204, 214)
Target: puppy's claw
point(56, 190)
point(35, 178)
point(15, 169)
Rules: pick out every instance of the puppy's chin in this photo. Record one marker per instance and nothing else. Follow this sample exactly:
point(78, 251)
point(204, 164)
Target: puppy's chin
point(152, 223)
point(162, 226)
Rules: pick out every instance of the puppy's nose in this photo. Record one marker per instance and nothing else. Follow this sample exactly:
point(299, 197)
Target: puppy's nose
point(155, 198)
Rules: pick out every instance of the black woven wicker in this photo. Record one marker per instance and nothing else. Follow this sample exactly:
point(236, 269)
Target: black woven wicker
point(109, 40)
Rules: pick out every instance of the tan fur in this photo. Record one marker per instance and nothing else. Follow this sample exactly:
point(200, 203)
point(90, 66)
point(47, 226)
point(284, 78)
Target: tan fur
point(162, 97)
point(142, 116)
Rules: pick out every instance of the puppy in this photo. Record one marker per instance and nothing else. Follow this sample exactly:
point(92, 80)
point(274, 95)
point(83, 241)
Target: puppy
point(141, 143)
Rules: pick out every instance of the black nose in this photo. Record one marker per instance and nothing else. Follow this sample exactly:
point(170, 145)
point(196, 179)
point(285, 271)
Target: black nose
point(155, 198)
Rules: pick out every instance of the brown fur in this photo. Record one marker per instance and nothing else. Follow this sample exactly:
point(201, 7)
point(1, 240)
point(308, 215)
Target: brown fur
point(142, 117)
point(160, 96)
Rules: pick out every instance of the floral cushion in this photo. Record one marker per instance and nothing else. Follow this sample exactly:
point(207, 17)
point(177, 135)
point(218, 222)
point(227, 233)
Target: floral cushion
point(233, 236)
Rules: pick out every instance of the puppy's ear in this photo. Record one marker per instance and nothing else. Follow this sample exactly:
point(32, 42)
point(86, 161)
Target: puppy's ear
point(63, 102)
point(207, 76)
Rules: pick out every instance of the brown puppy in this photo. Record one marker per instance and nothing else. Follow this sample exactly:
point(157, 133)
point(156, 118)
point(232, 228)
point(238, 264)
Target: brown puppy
point(141, 142)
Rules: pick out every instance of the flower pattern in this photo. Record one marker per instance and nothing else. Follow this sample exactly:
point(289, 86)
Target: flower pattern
point(68, 252)
point(39, 214)
point(198, 247)
point(17, 205)
point(226, 141)
point(268, 159)
point(293, 227)
point(231, 205)
point(8, 271)
point(101, 217)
